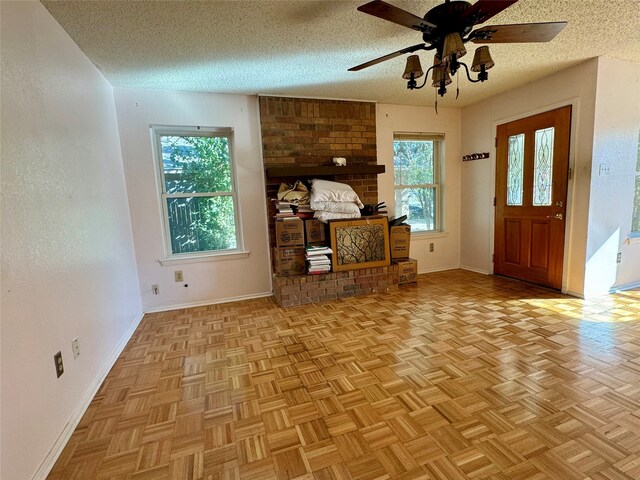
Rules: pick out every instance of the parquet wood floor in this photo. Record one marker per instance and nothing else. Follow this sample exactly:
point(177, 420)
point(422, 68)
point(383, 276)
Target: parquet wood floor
point(463, 376)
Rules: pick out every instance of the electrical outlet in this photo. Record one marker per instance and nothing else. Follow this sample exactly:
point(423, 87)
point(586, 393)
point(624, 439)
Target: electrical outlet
point(432, 247)
point(57, 359)
point(155, 289)
point(619, 257)
point(75, 347)
point(178, 276)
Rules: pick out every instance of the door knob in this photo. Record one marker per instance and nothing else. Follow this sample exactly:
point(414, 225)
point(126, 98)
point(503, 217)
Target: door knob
point(557, 216)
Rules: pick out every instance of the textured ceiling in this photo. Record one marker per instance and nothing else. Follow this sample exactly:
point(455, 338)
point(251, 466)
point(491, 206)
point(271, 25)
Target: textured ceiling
point(305, 47)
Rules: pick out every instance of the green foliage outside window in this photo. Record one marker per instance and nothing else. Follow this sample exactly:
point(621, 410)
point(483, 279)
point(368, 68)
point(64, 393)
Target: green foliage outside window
point(200, 165)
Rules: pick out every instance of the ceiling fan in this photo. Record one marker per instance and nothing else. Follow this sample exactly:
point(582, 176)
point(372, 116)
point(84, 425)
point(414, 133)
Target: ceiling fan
point(446, 28)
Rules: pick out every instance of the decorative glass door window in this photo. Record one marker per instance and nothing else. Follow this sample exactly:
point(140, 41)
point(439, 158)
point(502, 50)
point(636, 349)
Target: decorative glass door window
point(543, 167)
point(515, 169)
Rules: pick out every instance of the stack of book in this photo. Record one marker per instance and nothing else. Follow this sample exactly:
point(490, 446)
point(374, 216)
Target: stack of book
point(318, 260)
point(304, 211)
point(284, 210)
point(288, 210)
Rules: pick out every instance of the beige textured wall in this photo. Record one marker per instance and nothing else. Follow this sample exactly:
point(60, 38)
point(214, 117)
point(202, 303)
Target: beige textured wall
point(210, 279)
point(574, 86)
point(68, 266)
point(399, 118)
point(615, 146)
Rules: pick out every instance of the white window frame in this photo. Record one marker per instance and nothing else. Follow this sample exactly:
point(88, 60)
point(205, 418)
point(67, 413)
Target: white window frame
point(158, 131)
point(438, 168)
point(635, 234)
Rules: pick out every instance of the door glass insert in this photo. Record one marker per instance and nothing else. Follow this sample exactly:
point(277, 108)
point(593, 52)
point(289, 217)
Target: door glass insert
point(543, 167)
point(515, 169)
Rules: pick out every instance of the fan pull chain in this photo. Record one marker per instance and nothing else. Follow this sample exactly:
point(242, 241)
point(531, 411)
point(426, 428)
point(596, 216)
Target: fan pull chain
point(457, 86)
point(435, 94)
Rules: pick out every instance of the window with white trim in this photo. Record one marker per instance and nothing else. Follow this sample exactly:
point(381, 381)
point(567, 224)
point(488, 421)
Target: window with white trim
point(635, 219)
point(417, 170)
point(197, 190)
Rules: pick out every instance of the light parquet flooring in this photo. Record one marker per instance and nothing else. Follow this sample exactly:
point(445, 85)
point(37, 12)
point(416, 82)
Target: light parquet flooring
point(463, 376)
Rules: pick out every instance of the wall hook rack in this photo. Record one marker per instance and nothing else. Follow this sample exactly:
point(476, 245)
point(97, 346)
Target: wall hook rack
point(475, 156)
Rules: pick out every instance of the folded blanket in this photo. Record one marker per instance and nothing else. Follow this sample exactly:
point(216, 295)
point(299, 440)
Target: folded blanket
point(335, 207)
point(326, 216)
point(326, 191)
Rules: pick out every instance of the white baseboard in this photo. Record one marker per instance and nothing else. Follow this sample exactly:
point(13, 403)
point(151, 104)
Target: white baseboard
point(574, 294)
point(49, 461)
point(439, 269)
point(622, 288)
point(477, 270)
point(167, 308)
point(612, 290)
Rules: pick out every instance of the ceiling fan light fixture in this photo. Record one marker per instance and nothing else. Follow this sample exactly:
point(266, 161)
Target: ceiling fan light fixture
point(413, 68)
point(440, 73)
point(481, 58)
point(443, 28)
point(453, 47)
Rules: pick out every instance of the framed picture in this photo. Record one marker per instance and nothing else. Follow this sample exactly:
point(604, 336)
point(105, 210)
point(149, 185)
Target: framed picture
point(361, 243)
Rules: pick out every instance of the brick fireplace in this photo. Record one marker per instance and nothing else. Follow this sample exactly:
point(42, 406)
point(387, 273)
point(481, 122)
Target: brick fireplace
point(301, 132)
point(310, 132)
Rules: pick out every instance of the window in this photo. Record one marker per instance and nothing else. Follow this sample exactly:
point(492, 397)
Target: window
point(635, 220)
point(197, 187)
point(417, 162)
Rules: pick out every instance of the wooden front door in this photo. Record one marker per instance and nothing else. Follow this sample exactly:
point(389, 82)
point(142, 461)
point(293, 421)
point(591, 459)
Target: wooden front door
point(532, 165)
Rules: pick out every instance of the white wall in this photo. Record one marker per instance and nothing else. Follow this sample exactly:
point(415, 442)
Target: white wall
point(398, 118)
point(574, 86)
point(615, 145)
point(68, 266)
point(209, 281)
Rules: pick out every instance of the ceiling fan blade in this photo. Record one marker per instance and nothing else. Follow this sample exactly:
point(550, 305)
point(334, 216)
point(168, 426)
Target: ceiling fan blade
point(420, 46)
point(483, 10)
point(518, 33)
point(383, 10)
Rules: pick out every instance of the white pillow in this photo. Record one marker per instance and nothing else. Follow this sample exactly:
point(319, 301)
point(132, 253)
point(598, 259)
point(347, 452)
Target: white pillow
point(326, 191)
point(335, 207)
point(324, 216)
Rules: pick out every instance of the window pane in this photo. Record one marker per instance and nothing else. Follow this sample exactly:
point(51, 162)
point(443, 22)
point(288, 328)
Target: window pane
point(515, 169)
point(543, 167)
point(638, 155)
point(413, 162)
point(635, 221)
point(196, 164)
point(198, 224)
point(419, 205)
